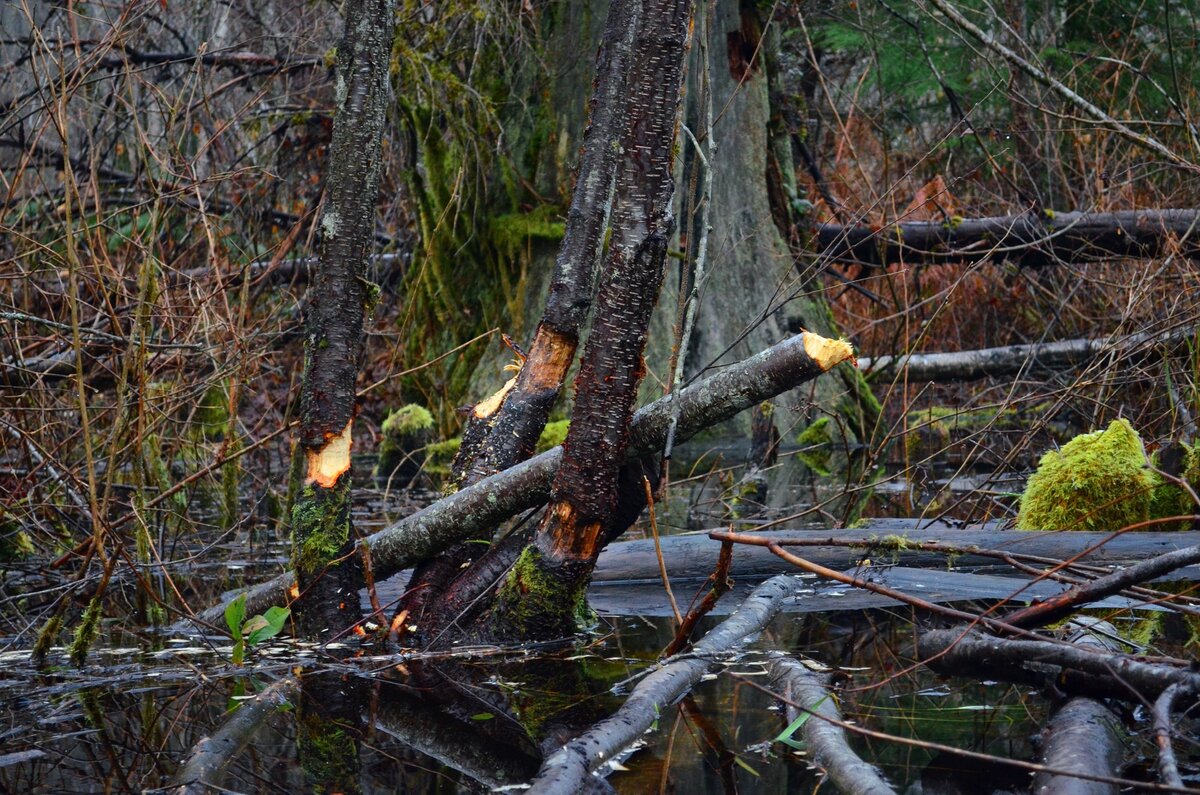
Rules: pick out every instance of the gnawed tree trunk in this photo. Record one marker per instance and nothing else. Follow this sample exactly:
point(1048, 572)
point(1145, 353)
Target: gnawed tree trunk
point(545, 589)
point(1029, 239)
point(793, 362)
point(503, 430)
point(338, 302)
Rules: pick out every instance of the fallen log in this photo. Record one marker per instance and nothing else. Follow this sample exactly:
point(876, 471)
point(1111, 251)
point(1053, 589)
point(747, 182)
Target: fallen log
point(824, 737)
point(1010, 359)
point(492, 500)
point(1030, 240)
point(1083, 735)
point(1071, 670)
point(202, 771)
point(565, 771)
point(693, 556)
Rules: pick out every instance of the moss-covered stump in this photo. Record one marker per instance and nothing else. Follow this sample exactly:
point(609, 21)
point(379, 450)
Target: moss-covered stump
point(538, 601)
point(406, 432)
point(1098, 481)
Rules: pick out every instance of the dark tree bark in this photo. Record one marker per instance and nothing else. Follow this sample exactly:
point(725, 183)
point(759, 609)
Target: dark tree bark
point(338, 299)
point(545, 588)
point(1030, 240)
point(503, 430)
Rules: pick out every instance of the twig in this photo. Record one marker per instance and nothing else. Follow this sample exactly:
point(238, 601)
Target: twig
point(662, 565)
point(1168, 769)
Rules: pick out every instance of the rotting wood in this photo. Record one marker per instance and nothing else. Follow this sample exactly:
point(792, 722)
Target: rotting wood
point(1072, 670)
point(1084, 735)
point(808, 692)
point(202, 771)
point(1027, 239)
point(692, 557)
point(564, 771)
point(338, 302)
point(958, 366)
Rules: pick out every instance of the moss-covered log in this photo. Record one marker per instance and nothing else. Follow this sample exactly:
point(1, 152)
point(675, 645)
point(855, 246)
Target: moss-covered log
point(335, 315)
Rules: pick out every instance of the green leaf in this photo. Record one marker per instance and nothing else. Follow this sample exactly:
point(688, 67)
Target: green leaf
point(737, 760)
point(235, 611)
point(482, 716)
point(266, 626)
point(785, 736)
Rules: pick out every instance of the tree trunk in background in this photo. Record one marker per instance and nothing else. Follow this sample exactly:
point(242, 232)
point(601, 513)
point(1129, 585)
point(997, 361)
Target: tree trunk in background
point(543, 592)
point(339, 299)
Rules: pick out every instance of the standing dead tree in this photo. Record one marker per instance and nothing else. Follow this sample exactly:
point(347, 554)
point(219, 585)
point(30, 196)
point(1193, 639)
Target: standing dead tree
point(339, 300)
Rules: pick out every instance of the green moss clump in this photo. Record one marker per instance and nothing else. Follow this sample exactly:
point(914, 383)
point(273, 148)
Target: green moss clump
point(45, 639)
point(818, 440)
point(532, 602)
point(554, 434)
point(1098, 481)
point(212, 413)
point(14, 542)
point(86, 633)
point(1168, 498)
point(511, 232)
point(440, 455)
point(320, 526)
point(405, 432)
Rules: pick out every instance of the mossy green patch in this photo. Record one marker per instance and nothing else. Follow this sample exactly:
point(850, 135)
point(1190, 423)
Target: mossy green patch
point(554, 434)
point(534, 603)
point(407, 420)
point(320, 526)
point(510, 233)
point(817, 441)
point(1098, 481)
point(328, 755)
point(440, 455)
point(86, 633)
point(14, 542)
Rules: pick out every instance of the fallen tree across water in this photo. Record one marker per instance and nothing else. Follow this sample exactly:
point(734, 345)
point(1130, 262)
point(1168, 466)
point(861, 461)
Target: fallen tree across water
point(565, 771)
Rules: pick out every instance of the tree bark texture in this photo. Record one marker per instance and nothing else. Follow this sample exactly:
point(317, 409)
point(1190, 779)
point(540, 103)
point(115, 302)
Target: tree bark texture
point(825, 739)
point(527, 485)
point(1031, 239)
point(337, 305)
point(565, 770)
point(542, 592)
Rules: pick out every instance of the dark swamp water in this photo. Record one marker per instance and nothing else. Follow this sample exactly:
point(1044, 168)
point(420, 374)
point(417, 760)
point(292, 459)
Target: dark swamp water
point(479, 720)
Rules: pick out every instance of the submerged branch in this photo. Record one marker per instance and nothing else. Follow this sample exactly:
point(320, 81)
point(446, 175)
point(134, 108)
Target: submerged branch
point(824, 737)
point(567, 769)
point(201, 771)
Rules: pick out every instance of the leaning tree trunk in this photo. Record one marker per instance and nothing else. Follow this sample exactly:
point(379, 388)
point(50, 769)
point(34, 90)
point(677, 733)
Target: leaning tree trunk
point(543, 592)
point(337, 305)
point(503, 430)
